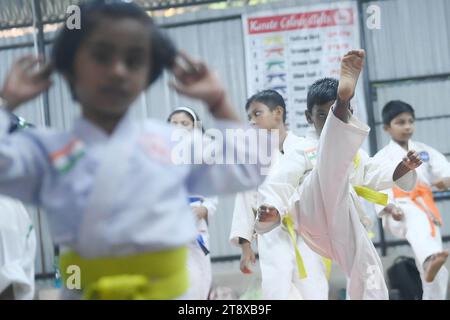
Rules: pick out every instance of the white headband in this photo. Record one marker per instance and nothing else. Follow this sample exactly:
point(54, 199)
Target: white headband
point(188, 110)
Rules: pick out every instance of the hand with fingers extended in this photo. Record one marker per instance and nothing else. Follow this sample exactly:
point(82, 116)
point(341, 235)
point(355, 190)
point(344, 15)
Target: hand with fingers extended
point(412, 160)
point(247, 257)
point(194, 79)
point(25, 81)
point(267, 219)
point(396, 212)
point(268, 213)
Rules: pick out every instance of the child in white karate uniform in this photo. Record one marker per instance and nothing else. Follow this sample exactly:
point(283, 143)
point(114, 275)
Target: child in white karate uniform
point(324, 207)
point(281, 278)
point(416, 217)
point(114, 196)
point(199, 258)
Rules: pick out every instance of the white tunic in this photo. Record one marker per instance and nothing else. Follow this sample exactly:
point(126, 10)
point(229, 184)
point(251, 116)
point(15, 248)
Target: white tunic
point(415, 227)
point(17, 249)
point(280, 278)
point(327, 214)
point(199, 263)
point(114, 195)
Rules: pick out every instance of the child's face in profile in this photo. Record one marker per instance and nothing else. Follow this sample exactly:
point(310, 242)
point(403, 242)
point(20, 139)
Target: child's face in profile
point(401, 127)
point(262, 117)
point(318, 115)
point(112, 67)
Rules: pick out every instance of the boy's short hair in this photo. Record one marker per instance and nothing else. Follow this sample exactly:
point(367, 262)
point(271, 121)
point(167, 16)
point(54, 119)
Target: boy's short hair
point(321, 91)
point(68, 41)
point(394, 108)
point(270, 98)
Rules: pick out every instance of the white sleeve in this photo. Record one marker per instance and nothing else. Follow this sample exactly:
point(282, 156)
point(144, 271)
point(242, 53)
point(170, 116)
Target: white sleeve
point(379, 175)
point(242, 225)
point(440, 167)
point(17, 249)
point(321, 206)
point(379, 209)
point(22, 163)
point(283, 179)
point(211, 205)
point(239, 165)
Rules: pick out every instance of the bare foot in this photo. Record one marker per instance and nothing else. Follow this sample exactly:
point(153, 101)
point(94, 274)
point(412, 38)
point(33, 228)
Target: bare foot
point(433, 264)
point(351, 66)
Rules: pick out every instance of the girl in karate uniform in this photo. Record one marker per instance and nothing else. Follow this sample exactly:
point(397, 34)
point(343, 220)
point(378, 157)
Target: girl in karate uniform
point(199, 258)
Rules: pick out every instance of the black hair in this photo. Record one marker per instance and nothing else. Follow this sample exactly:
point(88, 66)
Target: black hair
point(69, 40)
point(394, 108)
point(322, 91)
point(270, 98)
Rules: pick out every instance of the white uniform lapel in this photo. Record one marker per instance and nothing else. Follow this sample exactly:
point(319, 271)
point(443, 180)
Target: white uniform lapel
point(113, 167)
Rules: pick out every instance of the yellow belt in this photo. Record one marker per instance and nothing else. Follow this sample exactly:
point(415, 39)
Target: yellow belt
point(372, 195)
point(327, 263)
point(158, 275)
point(368, 193)
point(287, 221)
point(364, 192)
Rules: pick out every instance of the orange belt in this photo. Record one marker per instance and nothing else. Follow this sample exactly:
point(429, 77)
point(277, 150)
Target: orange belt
point(422, 192)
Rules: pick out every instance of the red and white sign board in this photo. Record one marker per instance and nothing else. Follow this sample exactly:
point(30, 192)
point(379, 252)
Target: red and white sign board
point(287, 50)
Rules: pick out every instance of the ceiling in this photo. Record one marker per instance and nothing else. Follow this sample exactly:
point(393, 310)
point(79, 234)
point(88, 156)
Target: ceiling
point(19, 13)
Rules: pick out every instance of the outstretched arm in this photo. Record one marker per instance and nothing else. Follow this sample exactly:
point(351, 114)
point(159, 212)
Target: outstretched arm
point(23, 160)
